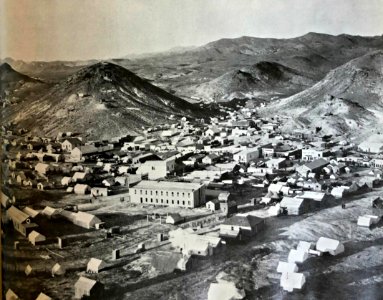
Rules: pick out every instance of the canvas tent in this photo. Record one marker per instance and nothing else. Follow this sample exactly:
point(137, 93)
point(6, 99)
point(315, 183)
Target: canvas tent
point(297, 256)
point(86, 220)
point(95, 265)
point(85, 287)
point(224, 290)
point(334, 247)
point(42, 296)
point(35, 237)
point(11, 295)
point(290, 281)
point(57, 270)
point(368, 220)
point(287, 267)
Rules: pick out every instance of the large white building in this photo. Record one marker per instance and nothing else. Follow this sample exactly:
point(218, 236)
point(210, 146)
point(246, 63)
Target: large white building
point(246, 155)
point(157, 168)
point(182, 194)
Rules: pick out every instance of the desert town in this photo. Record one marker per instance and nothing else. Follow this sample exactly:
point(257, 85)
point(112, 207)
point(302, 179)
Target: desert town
point(94, 218)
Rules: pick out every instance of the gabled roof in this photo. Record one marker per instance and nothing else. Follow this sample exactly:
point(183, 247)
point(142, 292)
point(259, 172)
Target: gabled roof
point(17, 215)
point(73, 141)
point(85, 283)
point(243, 221)
point(317, 164)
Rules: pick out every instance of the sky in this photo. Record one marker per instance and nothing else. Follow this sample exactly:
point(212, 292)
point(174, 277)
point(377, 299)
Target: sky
point(98, 29)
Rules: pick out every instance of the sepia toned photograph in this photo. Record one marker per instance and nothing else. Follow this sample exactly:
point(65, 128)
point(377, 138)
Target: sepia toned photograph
point(191, 149)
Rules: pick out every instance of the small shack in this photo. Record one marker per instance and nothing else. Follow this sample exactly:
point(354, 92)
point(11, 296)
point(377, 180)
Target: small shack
point(297, 256)
point(36, 238)
point(368, 220)
point(21, 221)
point(95, 265)
point(85, 287)
point(174, 219)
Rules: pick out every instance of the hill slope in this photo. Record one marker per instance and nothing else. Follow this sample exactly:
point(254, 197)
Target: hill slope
point(262, 79)
point(350, 97)
point(101, 101)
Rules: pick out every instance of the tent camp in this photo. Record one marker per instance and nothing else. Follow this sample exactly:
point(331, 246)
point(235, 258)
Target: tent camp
point(334, 247)
point(35, 238)
point(85, 287)
point(95, 265)
point(57, 270)
point(297, 256)
point(287, 267)
point(290, 281)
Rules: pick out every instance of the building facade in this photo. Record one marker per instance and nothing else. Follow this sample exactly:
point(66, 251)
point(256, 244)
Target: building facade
point(182, 194)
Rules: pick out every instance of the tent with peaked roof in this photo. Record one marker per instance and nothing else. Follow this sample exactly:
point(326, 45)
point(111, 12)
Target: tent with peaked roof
point(86, 220)
point(334, 247)
point(284, 267)
point(42, 296)
point(95, 265)
point(35, 237)
point(58, 270)
point(290, 281)
point(85, 287)
point(11, 295)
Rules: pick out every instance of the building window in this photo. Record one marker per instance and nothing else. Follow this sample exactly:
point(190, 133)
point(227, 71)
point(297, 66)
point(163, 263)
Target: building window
point(156, 193)
point(151, 192)
point(183, 194)
point(151, 200)
point(189, 203)
point(178, 202)
point(183, 202)
point(162, 200)
point(167, 201)
point(178, 194)
point(162, 193)
point(146, 192)
point(166, 193)
point(172, 201)
point(140, 192)
point(156, 200)
point(189, 195)
point(172, 194)
point(135, 191)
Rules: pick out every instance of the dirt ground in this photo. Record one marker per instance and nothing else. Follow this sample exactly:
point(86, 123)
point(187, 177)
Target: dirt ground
point(355, 274)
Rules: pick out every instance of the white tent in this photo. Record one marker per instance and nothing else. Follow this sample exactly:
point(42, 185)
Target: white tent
point(290, 281)
point(42, 296)
point(286, 267)
point(95, 265)
point(35, 237)
point(367, 220)
point(334, 247)
point(297, 256)
point(224, 290)
point(10, 295)
point(305, 246)
point(57, 269)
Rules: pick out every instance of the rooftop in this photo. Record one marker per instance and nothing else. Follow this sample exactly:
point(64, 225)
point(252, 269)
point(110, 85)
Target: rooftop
point(148, 184)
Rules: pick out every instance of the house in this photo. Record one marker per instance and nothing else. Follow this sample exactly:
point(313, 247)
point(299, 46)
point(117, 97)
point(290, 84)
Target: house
point(241, 225)
point(78, 152)
point(79, 177)
point(174, 219)
point(157, 168)
point(183, 194)
point(225, 290)
point(228, 207)
point(246, 155)
point(88, 288)
point(36, 238)
point(99, 191)
point(95, 265)
point(70, 143)
point(368, 220)
point(294, 206)
point(313, 154)
point(327, 245)
point(276, 163)
point(213, 205)
point(210, 159)
point(190, 243)
point(86, 220)
point(81, 189)
point(315, 166)
point(290, 281)
point(316, 199)
point(21, 221)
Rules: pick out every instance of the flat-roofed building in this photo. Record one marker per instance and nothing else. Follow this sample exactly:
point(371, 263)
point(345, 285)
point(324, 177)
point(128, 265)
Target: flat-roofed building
point(183, 194)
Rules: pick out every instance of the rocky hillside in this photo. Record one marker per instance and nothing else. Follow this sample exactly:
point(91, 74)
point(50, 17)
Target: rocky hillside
point(350, 97)
point(261, 80)
point(100, 101)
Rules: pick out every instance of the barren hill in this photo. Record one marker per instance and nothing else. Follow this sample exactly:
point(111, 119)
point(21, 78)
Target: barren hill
point(350, 97)
point(101, 100)
point(262, 79)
